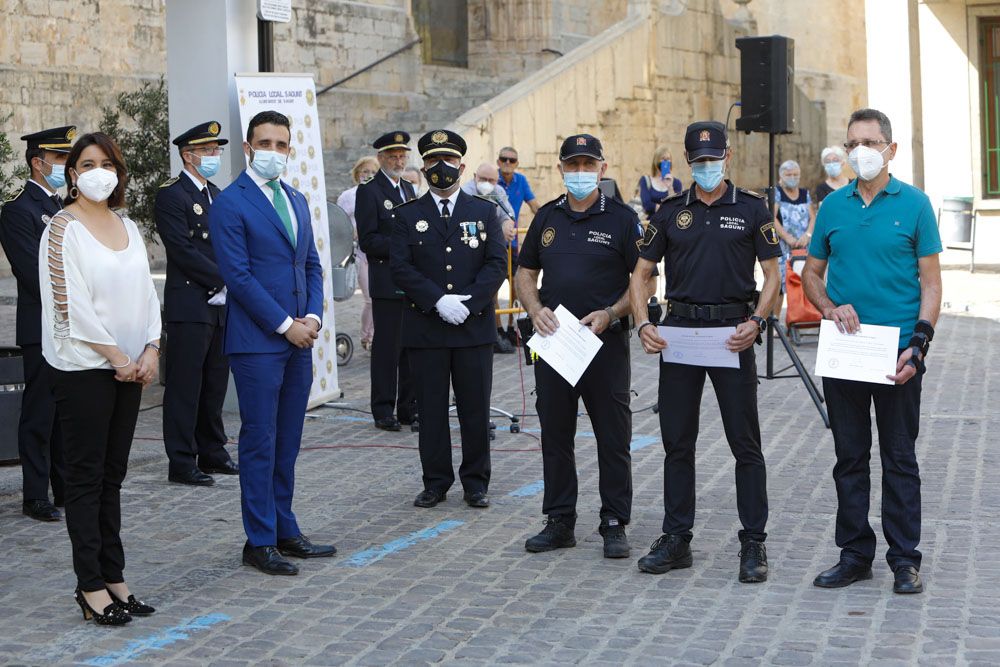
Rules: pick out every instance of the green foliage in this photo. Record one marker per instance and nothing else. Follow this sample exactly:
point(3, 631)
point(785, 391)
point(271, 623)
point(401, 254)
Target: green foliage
point(11, 179)
point(144, 139)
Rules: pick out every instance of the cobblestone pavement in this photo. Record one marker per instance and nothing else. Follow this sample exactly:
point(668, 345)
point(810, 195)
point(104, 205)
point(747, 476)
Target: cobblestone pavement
point(454, 585)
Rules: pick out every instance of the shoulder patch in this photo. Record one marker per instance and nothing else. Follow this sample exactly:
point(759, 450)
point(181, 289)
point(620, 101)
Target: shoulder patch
point(169, 182)
point(751, 193)
point(648, 234)
point(14, 195)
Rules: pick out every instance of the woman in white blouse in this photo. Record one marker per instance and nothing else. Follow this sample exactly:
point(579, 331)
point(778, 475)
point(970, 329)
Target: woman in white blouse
point(100, 333)
point(364, 169)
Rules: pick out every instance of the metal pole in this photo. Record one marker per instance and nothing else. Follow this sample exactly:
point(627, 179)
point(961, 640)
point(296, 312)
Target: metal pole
point(772, 319)
point(265, 46)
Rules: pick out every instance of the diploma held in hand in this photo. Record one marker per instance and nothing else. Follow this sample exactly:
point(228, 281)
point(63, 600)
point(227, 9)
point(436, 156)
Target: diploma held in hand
point(866, 356)
point(699, 346)
point(570, 349)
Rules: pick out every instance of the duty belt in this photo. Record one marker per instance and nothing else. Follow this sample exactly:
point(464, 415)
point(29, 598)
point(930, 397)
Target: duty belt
point(711, 311)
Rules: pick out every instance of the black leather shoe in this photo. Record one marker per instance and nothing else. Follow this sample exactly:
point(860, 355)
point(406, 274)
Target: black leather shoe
point(557, 534)
point(477, 499)
point(843, 574)
point(225, 468)
point(668, 552)
point(907, 580)
point(193, 477)
point(753, 562)
point(428, 498)
point(301, 547)
point(267, 560)
point(502, 345)
point(413, 422)
point(615, 540)
point(40, 510)
point(387, 424)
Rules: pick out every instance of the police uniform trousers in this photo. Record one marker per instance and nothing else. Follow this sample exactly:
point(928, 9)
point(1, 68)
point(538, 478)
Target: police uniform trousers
point(680, 407)
point(605, 389)
point(470, 371)
point(197, 376)
point(897, 416)
point(390, 365)
point(39, 439)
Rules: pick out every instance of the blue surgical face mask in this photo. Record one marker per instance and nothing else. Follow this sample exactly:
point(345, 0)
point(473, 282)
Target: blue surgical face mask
point(580, 183)
point(664, 168)
point(209, 166)
point(268, 164)
point(708, 174)
point(833, 169)
point(57, 178)
point(790, 182)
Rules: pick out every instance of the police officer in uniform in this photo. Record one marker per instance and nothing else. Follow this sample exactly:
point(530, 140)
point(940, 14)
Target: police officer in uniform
point(586, 245)
point(710, 234)
point(375, 212)
point(197, 373)
point(449, 258)
point(23, 218)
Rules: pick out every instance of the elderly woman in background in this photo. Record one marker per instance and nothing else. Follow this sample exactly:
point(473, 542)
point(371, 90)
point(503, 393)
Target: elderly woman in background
point(414, 176)
point(660, 183)
point(793, 212)
point(364, 169)
point(834, 159)
point(100, 334)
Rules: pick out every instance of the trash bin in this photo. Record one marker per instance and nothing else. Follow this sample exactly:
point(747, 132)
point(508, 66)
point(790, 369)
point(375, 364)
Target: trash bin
point(955, 220)
point(11, 391)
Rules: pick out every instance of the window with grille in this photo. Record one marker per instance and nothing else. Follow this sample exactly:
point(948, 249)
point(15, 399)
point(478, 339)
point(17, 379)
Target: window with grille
point(989, 73)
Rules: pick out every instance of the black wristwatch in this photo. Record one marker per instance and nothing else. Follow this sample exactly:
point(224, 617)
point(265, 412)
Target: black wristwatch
point(761, 322)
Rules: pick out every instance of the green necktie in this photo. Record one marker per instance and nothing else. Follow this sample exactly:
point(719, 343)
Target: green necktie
point(282, 209)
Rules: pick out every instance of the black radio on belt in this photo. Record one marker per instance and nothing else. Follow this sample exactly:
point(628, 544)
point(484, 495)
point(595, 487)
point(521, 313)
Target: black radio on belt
point(525, 330)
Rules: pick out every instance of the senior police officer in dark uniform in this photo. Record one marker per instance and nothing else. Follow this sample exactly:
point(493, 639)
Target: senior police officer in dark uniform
point(585, 245)
point(391, 387)
point(23, 219)
point(449, 258)
point(710, 234)
point(197, 373)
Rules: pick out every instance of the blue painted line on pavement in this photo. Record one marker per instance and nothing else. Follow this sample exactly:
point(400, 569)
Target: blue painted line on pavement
point(643, 441)
point(528, 490)
point(375, 554)
point(157, 641)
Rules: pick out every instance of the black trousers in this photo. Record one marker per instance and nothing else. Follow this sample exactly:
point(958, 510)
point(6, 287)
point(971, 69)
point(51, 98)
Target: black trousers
point(680, 406)
point(98, 416)
point(391, 385)
point(197, 378)
point(897, 417)
point(39, 440)
point(605, 390)
point(470, 371)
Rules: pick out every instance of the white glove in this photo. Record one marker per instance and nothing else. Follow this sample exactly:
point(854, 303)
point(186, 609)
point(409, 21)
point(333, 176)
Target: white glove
point(219, 298)
point(451, 308)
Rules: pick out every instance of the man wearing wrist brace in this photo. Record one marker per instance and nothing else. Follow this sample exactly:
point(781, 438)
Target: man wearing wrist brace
point(711, 235)
point(879, 239)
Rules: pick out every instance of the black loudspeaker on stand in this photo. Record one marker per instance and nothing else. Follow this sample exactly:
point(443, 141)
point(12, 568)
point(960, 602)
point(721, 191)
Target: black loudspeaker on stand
point(767, 86)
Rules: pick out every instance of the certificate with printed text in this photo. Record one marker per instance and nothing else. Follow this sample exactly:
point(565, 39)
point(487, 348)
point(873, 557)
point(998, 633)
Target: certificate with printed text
point(866, 356)
point(699, 346)
point(570, 349)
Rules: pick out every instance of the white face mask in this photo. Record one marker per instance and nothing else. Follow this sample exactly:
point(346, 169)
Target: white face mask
point(97, 184)
point(484, 187)
point(866, 162)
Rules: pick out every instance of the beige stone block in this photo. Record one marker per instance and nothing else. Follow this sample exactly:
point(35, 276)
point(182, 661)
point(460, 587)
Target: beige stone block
point(34, 53)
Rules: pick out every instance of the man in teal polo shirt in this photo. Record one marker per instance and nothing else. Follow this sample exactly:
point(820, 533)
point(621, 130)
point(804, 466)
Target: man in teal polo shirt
point(879, 239)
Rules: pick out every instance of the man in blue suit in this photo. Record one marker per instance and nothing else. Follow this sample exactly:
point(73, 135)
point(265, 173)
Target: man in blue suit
point(263, 241)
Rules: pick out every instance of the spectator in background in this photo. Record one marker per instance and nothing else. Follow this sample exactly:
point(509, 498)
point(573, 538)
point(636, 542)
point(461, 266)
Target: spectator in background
point(412, 174)
point(518, 192)
point(794, 214)
point(660, 183)
point(362, 172)
point(834, 159)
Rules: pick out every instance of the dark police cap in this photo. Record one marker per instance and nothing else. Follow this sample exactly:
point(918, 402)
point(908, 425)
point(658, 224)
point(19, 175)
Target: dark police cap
point(390, 140)
point(441, 142)
point(581, 144)
point(202, 134)
point(57, 139)
point(705, 140)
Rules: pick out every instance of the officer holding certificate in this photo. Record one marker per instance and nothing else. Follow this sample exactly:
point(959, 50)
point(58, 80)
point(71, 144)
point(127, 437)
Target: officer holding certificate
point(711, 235)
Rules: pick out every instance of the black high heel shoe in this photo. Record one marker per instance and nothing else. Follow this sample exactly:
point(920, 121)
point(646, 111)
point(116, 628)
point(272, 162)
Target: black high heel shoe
point(132, 606)
point(113, 613)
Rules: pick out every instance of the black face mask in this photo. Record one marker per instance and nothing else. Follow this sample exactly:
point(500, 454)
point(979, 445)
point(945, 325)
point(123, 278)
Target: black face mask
point(441, 175)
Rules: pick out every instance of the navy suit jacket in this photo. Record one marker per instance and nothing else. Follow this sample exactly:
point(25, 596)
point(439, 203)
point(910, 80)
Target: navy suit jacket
point(268, 279)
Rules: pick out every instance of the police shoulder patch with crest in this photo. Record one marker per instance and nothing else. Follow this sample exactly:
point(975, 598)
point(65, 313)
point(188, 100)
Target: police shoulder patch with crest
point(14, 195)
point(769, 233)
point(169, 182)
point(648, 234)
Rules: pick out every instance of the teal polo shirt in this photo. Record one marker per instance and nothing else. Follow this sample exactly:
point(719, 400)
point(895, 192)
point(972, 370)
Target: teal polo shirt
point(873, 250)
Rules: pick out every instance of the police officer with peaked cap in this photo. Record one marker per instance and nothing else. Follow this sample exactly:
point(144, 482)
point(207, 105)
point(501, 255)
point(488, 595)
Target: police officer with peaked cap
point(23, 219)
point(197, 373)
point(449, 257)
point(376, 201)
point(711, 236)
point(585, 245)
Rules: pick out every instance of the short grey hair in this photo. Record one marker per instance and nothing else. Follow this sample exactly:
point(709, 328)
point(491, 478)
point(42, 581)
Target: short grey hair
point(884, 126)
point(787, 165)
point(833, 150)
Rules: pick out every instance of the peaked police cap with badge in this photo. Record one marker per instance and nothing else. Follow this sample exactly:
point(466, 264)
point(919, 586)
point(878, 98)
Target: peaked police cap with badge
point(705, 140)
point(581, 144)
point(391, 140)
point(204, 133)
point(441, 142)
point(56, 139)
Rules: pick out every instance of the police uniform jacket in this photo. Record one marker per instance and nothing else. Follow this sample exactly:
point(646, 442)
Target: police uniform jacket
point(23, 218)
point(431, 257)
point(375, 212)
point(192, 275)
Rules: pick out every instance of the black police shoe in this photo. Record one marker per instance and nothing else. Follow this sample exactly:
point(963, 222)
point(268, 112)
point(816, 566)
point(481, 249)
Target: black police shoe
point(387, 424)
point(557, 534)
point(907, 580)
point(192, 477)
point(428, 498)
point(268, 560)
point(753, 562)
point(668, 552)
point(843, 574)
point(502, 346)
point(225, 468)
point(615, 540)
point(40, 510)
point(301, 547)
point(477, 499)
